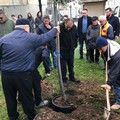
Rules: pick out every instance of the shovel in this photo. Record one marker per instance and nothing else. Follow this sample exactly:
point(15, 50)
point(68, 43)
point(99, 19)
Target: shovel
point(107, 110)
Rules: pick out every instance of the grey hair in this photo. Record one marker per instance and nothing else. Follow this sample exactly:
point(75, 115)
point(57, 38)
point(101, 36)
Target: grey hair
point(69, 19)
point(102, 17)
point(19, 26)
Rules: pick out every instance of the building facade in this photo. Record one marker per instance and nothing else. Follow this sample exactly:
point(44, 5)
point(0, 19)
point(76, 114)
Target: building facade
point(95, 7)
point(22, 7)
point(112, 3)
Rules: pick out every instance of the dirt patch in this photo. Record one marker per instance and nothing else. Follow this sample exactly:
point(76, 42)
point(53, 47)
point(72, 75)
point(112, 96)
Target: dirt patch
point(86, 96)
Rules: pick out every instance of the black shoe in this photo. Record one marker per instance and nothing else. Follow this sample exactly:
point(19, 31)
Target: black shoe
point(74, 80)
point(87, 58)
point(17, 116)
point(90, 61)
point(97, 62)
point(65, 81)
point(81, 57)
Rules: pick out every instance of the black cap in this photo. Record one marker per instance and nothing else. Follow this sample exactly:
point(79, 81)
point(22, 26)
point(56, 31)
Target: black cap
point(94, 18)
point(22, 21)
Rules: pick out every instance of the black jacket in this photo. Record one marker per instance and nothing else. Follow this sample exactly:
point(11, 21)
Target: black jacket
point(68, 39)
point(79, 28)
point(114, 21)
point(114, 70)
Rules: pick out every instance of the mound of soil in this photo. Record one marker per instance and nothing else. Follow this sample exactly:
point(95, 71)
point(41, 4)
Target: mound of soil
point(86, 96)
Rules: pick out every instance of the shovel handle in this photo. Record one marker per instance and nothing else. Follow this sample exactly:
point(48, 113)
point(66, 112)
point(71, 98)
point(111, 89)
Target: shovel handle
point(106, 71)
point(108, 100)
point(107, 91)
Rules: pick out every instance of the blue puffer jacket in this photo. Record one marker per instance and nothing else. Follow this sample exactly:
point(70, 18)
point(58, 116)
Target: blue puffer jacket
point(18, 49)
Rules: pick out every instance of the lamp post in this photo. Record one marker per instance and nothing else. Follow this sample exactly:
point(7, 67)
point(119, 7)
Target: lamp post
point(70, 9)
point(40, 6)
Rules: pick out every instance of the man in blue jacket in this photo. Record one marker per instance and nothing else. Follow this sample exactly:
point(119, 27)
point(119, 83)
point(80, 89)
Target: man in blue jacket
point(17, 56)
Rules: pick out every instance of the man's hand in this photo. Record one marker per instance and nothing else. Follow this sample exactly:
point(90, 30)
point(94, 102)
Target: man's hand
point(48, 26)
point(116, 37)
point(58, 28)
point(106, 86)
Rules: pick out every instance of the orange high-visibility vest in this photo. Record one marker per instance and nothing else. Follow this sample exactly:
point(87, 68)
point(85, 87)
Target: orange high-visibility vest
point(104, 29)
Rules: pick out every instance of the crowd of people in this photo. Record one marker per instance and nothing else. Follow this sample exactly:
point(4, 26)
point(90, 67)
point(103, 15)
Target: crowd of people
point(25, 43)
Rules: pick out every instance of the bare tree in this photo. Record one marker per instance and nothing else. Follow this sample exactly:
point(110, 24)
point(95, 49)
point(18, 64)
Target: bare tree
point(56, 2)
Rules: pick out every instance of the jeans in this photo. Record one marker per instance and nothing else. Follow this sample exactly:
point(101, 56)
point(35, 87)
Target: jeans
point(54, 58)
point(117, 94)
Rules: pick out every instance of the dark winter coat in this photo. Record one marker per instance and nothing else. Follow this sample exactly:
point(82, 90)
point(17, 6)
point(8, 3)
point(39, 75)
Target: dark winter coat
point(89, 22)
point(114, 73)
point(31, 21)
point(38, 21)
point(68, 39)
point(112, 55)
point(114, 21)
point(92, 34)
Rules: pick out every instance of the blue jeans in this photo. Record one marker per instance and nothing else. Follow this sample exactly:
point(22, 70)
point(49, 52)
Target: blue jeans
point(54, 59)
point(117, 94)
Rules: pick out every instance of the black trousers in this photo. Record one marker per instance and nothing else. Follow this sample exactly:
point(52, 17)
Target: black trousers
point(92, 57)
point(21, 82)
point(46, 60)
point(67, 60)
point(37, 86)
point(81, 42)
point(43, 55)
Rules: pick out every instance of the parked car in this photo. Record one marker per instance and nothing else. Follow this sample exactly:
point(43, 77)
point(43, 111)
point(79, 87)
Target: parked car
point(116, 12)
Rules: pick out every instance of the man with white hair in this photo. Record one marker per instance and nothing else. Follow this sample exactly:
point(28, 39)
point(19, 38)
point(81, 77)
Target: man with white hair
point(106, 30)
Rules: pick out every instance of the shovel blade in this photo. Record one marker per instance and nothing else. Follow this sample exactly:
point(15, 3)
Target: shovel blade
point(106, 114)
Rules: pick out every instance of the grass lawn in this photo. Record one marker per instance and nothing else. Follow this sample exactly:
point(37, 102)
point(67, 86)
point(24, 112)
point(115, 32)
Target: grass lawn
point(83, 71)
